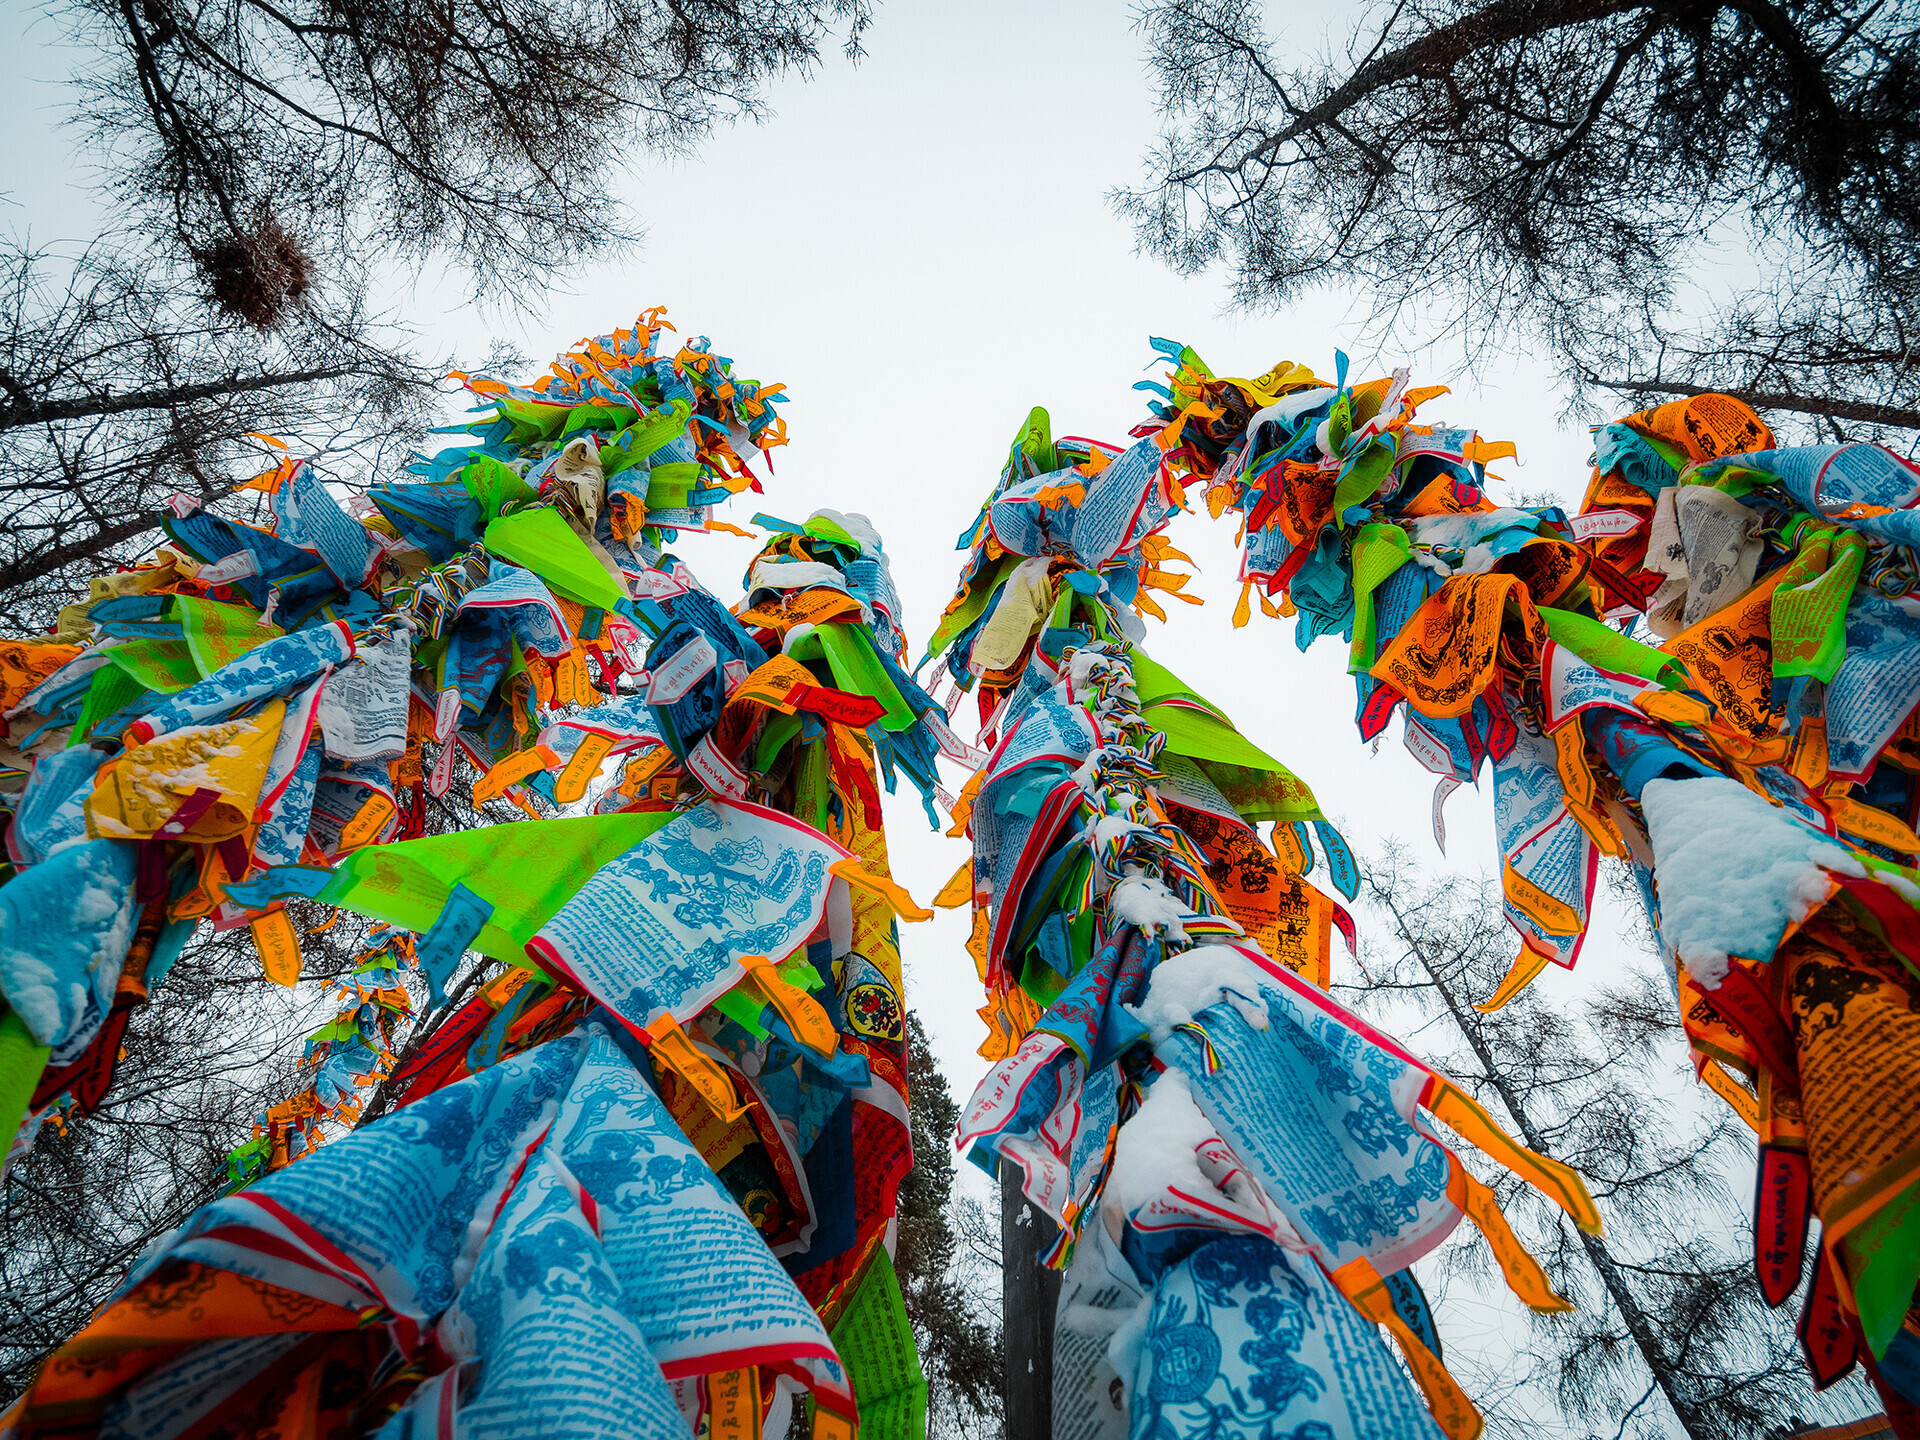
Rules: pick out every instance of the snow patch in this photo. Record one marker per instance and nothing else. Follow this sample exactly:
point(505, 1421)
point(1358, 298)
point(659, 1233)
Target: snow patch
point(1155, 1150)
point(1901, 886)
point(1463, 532)
point(58, 968)
point(793, 575)
point(860, 528)
point(1149, 906)
point(1189, 982)
point(1732, 871)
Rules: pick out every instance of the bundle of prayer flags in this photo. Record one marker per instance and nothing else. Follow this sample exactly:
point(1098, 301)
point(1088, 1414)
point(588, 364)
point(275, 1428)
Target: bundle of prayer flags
point(634, 1180)
point(1709, 674)
point(1238, 1164)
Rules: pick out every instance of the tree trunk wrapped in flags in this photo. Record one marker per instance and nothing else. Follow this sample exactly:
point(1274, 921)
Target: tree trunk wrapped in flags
point(1239, 1165)
point(634, 1175)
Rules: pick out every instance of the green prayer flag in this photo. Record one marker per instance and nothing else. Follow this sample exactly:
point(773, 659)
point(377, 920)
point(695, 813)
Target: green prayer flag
point(669, 485)
point(1604, 647)
point(532, 419)
point(813, 784)
point(526, 871)
point(875, 1344)
point(848, 650)
point(216, 633)
point(543, 541)
point(773, 739)
point(110, 692)
point(820, 528)
point(494, 485)
point(1035, 441)
point(980, 590)
point(1809, 605)
point(1883, 1257)
point(1258, 786)
point(1361, 480)
point(1378, 552)
point(644, 437)
point(598, 417)
point(153, 664)
point(22, 1061)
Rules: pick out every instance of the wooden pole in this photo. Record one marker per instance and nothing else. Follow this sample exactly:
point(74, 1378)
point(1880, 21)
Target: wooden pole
point(1030, 1293)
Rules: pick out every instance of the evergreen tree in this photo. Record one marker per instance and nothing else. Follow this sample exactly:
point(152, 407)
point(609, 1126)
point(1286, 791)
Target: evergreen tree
point(959, 1350)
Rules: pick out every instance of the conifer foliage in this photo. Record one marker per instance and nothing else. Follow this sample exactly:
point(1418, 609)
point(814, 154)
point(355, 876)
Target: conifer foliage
point(1580, 173)
point(959, 1349)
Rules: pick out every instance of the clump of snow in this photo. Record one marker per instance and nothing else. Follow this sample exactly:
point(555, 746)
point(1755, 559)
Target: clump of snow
point(1463, 532)
point(1901, 886)
point(1089, 664)
point(1146, 904)
point(34, 992)
point(860, 528)
point(183, 759)
point(793, 575)
point(1156, 1148)
point(1124, 1349)
point(1108, 828)
point(1083, 774)
point(1169, 1151)
point(1090, 1319)
point(1189, 982)
point(1732, 870)
point(59, 966)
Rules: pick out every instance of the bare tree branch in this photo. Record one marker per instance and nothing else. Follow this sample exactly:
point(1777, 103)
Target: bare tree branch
point(1707, 195)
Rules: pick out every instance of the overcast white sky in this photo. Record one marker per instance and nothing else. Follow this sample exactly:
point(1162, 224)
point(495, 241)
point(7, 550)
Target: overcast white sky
point(920, 248)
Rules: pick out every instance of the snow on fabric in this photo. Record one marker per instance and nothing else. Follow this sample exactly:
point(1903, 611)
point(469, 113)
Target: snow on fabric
point(1108, 927)
point(1242, 1327)
point(1325, 1119)
point(544, 1238)
point(1732, 871)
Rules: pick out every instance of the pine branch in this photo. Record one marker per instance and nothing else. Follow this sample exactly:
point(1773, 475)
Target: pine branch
point(1837, 408)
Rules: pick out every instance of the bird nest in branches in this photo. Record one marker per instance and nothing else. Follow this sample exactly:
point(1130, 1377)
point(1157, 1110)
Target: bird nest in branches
point(257, 276)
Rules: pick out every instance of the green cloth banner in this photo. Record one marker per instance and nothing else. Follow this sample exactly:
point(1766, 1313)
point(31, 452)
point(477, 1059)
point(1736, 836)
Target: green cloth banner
point(216, 633)
point(1809, 620)
point(1378, 553)
point(526, 871)
point(876, 1346)
point(545, 543)
point(1604, 647)
point(1254, 783)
